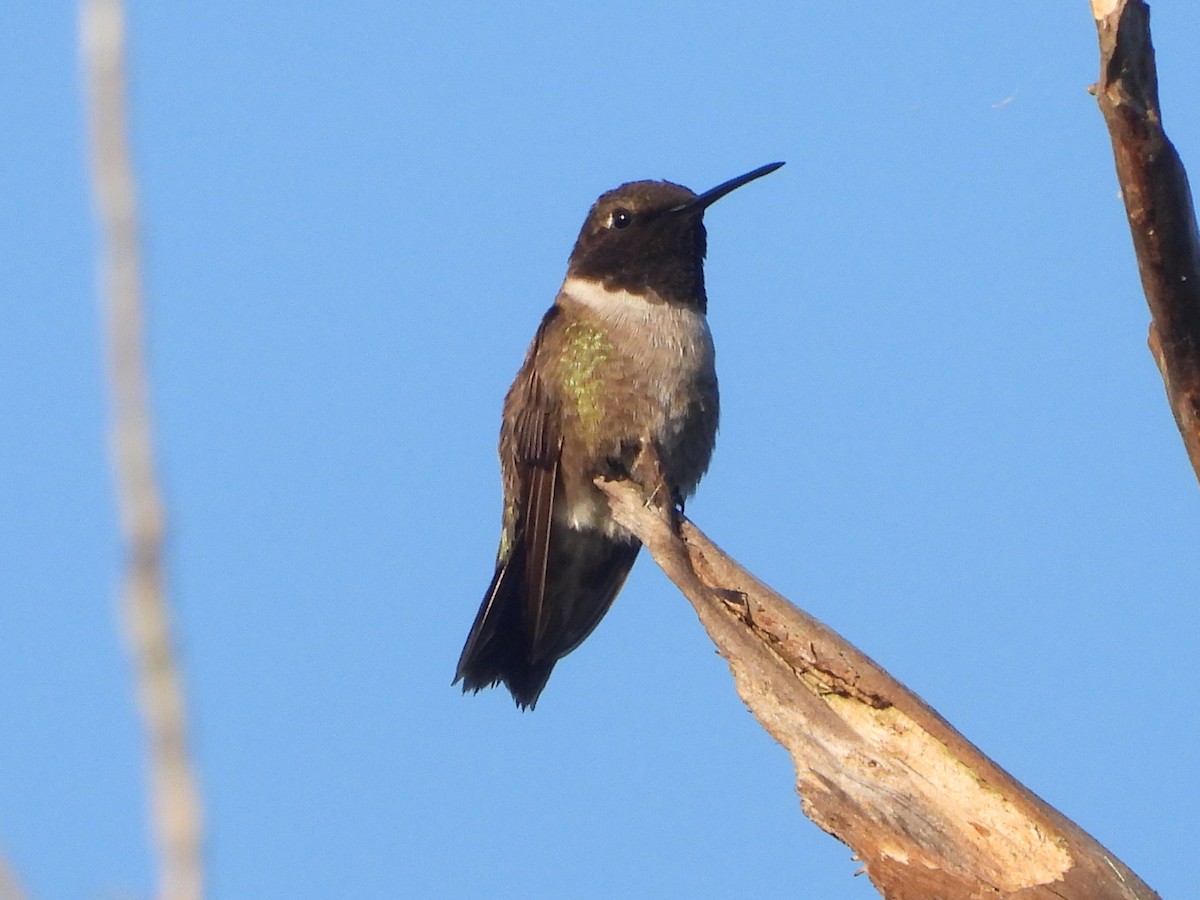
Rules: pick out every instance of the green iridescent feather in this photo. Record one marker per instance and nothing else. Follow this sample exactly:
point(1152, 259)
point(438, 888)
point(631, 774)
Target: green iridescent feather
point(586, 349)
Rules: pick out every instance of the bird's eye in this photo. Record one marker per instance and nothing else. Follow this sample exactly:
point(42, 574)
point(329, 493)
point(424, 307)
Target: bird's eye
point(621, 218)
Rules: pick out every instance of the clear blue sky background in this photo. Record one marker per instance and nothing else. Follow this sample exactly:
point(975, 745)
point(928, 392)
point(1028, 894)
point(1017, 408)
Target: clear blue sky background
point(943, 434)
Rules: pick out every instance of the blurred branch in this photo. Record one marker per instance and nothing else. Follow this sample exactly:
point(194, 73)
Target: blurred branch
point(174, 797)
point(924, 810)
point(1158, 203)
point(10, 888)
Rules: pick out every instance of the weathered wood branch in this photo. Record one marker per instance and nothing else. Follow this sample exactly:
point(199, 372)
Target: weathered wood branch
point(174, 796)
point(1158, 203)
point(928, 814)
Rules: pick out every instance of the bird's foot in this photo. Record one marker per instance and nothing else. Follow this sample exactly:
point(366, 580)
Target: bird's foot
point(647, 471)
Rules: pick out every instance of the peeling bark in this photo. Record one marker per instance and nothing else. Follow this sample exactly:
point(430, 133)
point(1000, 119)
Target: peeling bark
point(927, 813)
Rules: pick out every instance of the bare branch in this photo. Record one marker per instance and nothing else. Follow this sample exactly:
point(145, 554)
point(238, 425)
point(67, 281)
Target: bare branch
point(10, 888)
point(925, 811)
point(174, 796)
point(1158, 203)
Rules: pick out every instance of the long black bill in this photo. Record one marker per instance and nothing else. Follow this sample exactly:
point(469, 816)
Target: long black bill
point(708, 198)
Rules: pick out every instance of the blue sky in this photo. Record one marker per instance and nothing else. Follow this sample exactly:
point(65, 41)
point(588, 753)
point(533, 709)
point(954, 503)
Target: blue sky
point(942, 434)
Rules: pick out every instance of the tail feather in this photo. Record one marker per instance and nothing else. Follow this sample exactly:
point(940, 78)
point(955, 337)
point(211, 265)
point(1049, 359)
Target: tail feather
point(517, 642)
point(497, 649)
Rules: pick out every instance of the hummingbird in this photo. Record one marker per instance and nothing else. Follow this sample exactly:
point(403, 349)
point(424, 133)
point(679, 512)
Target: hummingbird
point(621, 370)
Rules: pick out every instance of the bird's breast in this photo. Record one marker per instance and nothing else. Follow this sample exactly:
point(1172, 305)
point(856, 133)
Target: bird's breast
point(633, 369)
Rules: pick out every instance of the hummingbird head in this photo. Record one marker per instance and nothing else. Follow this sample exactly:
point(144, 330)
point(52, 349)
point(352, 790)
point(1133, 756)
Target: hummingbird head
point(647, 237)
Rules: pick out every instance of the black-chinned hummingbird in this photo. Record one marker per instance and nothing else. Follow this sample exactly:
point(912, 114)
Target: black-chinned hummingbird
point(622, 365)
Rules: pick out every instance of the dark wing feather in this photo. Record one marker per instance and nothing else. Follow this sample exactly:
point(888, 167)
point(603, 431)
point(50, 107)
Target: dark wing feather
point(536, 446)
point(499, 645)
point(487, 654)
point(539, 513)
